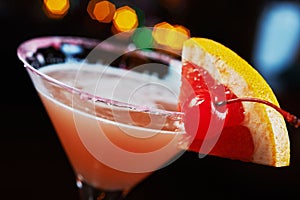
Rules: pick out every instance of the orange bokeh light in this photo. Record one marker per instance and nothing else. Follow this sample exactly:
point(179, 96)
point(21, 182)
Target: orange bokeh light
point(100, 10)
point(182, 30)
point(125, 19)
point(169, 35)
point(56, 7)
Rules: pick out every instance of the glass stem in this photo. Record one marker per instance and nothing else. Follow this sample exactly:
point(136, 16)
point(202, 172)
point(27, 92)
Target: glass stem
point(87, 192)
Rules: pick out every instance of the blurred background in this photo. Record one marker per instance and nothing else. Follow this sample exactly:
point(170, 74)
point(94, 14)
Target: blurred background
point(265, 33)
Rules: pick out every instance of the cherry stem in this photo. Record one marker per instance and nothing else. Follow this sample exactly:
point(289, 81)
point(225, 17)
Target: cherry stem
point(292, 119)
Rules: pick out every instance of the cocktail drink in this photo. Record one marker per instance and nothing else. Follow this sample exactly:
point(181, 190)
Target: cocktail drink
point(122, 112)
point(114, 108)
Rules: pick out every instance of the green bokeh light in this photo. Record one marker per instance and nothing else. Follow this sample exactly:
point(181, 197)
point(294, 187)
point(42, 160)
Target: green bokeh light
point(142, 38)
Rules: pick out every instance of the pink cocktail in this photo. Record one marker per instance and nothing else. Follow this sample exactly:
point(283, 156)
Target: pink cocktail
point(114, 108)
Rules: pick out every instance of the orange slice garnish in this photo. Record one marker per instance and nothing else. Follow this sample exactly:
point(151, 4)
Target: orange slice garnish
point(261, 135)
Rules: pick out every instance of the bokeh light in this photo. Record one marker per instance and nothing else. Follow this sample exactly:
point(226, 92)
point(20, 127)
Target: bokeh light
point(160, 32)
point(56, 8)
point(125, 19)
point(102, 11)
point(142, 38)
point(170, 36)
point(179, 35)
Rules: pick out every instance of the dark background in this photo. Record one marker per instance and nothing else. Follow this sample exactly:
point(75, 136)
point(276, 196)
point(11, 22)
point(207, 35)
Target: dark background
point(33, 164)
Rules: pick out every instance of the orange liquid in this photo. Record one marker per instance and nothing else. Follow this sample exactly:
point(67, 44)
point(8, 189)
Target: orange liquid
point(112, 149)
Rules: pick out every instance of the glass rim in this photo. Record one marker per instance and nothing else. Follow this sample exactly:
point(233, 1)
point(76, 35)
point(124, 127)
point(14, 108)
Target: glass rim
point(29, 47)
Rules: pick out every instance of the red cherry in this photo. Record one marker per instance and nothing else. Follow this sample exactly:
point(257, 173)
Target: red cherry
point(235, 112)
point(202, 120)
point(199, 92)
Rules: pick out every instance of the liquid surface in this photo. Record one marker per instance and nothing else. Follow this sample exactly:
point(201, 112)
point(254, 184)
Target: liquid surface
point(126, 86)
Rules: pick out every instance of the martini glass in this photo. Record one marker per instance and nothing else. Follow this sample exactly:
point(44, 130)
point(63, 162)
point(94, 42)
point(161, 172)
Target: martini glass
point(113, 106)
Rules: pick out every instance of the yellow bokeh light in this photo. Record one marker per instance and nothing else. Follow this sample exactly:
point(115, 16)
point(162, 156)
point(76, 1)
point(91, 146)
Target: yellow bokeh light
point(179, 35)
point(161, 31)
point(57, 7)
point(170, 36)
point(125, 19)
point(100, 10)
